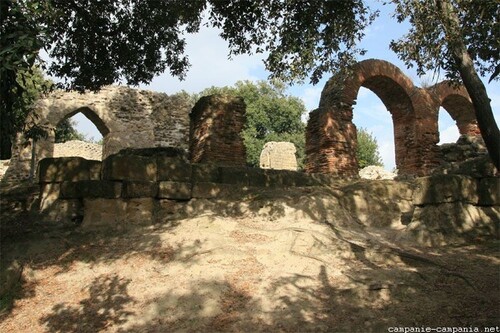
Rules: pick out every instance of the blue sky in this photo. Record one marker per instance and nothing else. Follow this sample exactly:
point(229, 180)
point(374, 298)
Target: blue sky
point(208, 55)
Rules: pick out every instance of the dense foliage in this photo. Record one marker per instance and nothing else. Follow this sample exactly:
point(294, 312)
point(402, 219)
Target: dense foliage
point(367, 152)
point(271, 116)
point(95, 43)
point(65, 131)
point(28, 89)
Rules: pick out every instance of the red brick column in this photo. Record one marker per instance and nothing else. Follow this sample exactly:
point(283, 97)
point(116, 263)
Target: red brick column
point(215, 131)
point(331, 142)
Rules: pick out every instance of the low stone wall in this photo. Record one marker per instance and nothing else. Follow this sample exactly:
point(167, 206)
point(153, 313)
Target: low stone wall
point(147, 180)
point(149, 186)
point(77, 148)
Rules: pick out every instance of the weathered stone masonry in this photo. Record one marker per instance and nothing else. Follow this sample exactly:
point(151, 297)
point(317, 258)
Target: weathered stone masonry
point(159, 185)
point(126, 118)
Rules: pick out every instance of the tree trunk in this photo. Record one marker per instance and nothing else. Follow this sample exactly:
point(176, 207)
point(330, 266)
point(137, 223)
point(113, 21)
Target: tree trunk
point(472, 82)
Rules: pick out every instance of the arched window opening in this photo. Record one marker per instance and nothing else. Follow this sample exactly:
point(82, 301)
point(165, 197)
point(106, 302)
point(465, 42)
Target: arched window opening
point(448, 130)
point(371, 115)
point(80, 134)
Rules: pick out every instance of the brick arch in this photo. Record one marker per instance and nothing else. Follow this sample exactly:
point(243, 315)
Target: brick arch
point(331, 136)
point(456, 101)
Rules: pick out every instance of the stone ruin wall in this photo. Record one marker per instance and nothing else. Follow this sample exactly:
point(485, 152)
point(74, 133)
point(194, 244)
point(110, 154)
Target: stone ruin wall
point(126, 118)
point(278, 156)
point(155, 186)
point(150, 185)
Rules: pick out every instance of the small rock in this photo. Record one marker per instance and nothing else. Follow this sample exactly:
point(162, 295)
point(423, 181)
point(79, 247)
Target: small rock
point(376, 172)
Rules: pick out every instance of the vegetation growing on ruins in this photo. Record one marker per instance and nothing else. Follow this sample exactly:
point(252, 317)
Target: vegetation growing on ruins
point(461, 38)
point(102, 42)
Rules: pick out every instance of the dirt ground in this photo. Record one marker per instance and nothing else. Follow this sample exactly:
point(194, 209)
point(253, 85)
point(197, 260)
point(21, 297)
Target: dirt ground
point(263, 270)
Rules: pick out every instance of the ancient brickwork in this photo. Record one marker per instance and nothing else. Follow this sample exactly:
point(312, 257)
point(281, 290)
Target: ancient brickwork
point(456, 101)
point(129, 118)
point(331, 136)
point(126, 118)
point(278, 156)
point(215, 131)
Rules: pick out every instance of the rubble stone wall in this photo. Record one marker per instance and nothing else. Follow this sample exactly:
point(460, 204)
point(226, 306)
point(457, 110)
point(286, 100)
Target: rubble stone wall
point(126, 118)
point(77, 148)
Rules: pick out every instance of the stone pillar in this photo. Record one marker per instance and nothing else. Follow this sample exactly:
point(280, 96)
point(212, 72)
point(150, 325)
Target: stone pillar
point(215, 131)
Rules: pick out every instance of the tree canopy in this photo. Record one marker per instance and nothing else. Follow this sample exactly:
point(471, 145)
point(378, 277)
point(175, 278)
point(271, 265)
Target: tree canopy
point(271, 116)
point(66, 131)
point(367, 152)
point(27, 88)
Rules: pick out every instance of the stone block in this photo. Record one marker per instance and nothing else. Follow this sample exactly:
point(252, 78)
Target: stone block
point(168, 210)
point(63, 211)
point(174, 190)
point(297, 179)
point(95, 170)
point(140, 211)
point(61, 169)
point(118, 213)
point(445, 188)
point(129, 167)
point(452, 223)
point(278, 156)
point(173, 169)
point(91, 189)
point(49, 194)
point(205, 173)
point(274, 178)
point(489, 191)
point(139, 189)
point(236, 175)
point(206, 190)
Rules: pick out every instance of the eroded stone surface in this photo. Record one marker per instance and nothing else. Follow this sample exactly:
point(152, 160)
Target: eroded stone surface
point(376, 172)
point(432, 210)
point(72, 148)
point(126, 118)
point(278, 156)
